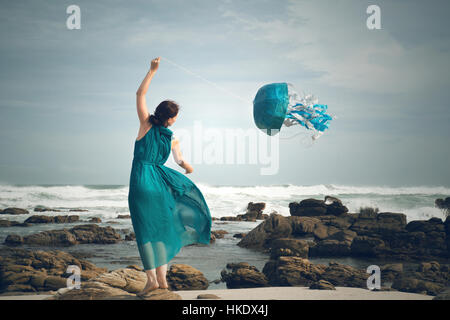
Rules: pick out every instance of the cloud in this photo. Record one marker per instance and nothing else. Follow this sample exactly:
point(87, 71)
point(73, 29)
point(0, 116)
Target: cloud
point(330, 39)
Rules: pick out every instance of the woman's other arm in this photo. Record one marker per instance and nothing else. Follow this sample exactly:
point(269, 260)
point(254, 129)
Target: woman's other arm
point(141, 103)
point(178, 157)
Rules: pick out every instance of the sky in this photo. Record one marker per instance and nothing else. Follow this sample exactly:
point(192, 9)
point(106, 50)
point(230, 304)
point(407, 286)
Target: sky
point(67, 97)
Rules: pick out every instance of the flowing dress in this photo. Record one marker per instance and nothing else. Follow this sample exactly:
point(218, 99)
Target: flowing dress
point(167, 209)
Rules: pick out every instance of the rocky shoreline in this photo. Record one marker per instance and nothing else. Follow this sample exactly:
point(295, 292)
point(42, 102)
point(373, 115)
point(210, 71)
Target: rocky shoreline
point(316, 228)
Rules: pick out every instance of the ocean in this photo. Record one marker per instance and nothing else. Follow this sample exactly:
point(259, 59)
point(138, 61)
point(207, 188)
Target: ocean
point(109, 201)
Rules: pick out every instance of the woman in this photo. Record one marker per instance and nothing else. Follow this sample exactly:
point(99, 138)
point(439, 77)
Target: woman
point(167, 209)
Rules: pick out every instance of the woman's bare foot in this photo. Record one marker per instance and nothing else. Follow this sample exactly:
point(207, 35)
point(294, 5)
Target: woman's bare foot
point(163, 284)
point(150, 286)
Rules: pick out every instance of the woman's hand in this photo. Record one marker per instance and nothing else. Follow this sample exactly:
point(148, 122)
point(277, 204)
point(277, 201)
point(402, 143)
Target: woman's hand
point(155, 64)
point(188, 168)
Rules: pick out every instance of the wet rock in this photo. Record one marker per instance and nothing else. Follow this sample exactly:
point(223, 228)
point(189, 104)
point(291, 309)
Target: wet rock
point(239, 235)
point(385, 224)
point(315, 207)
point(95, 220)
point(308, 207)
point(243, 275)
point(130, 237)
point(289, 247)
point(295, 271)
point(14, 211)
point(254, 212)
point(335, 206)
point(363, 246)
point(53, 219)
point(44, 208)
point(9, 223)
point(409, 284)
point(14, 240)
point(337, 244)
point(89, 233)
point(207, 296)
point(219, 234)
point(443, 295)
point(185, 277)
point(79, 210)
point(391, 271)
point(322, 285)
point(123, 216)
point(120, 284)
point(36, 271)
point(276, 226)
point(443, 204)
point(292, 271)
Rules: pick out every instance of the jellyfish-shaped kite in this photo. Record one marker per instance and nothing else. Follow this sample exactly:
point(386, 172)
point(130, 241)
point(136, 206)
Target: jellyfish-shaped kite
point(278, 104)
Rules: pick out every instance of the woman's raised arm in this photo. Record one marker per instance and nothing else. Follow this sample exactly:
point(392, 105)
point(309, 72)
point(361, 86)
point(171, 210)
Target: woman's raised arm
point(141, 103)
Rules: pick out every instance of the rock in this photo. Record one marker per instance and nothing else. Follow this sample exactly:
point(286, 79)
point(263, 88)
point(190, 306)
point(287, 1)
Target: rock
point(342, 275)
point(258, 206)
point(304, 226)
point(296, 247)
point(40, 271)
point(337, 244)
point(385, 224)
point(78, 210)
point(295, 271)
point(130, 237)
point(219, 234)
point(322, 285)
point(51, 238)
point(121, 284)
point(292, 271)
point(14, 240)
point(443, 295)
point(433, 271)
point(447, 234)
point(330, 248)
point(95, 220)
point(44, 208)
point(88, 233)
point(335, 206)
point(308, 207)
point(185, 277)
point(314, 207)
point(363, 246)
point(431, 225)
point(243, 275)
point(52, 219)
point(91, 233)
point(390, 271)
point(239, 235)
point(14, 211)
point(123, 216)
point(207, 296)
point(10, 223)
point(276, 226)
point(254, 212)
point(443, 204)
point(409, 284)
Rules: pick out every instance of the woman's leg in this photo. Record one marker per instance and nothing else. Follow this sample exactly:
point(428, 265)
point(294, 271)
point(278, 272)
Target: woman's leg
point(148, 260)
point(152, 282)
point(161, 276)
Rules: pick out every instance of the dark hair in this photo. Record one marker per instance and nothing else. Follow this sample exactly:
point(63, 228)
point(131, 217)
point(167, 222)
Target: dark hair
point(165, 110)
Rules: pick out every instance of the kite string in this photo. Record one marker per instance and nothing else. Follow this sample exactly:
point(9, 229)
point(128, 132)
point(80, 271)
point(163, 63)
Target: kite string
point(206, 80)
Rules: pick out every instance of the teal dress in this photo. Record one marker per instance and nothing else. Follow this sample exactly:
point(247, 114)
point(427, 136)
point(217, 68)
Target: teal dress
point(167, 209)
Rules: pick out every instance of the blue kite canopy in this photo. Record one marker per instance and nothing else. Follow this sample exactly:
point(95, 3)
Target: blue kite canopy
point(278, 104)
